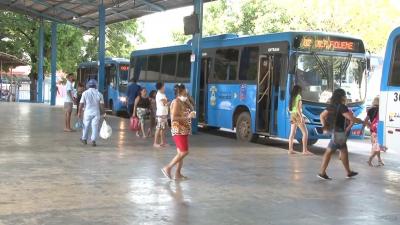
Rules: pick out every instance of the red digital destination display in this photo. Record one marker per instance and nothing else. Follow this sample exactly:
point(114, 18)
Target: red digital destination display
point(328, 43)
point(124, 68)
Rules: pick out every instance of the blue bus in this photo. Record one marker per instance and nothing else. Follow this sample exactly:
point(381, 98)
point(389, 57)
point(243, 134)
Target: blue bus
point(246, 80)
point(389, 110)
point(116, 78)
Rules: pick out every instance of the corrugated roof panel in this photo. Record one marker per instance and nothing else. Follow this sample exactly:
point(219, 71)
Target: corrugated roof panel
point(84, 13)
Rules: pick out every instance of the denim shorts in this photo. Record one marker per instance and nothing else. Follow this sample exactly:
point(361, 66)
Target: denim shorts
point(334, 146)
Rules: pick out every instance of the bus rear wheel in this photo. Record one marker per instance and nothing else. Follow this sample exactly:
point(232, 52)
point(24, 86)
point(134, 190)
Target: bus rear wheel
point(243, 128)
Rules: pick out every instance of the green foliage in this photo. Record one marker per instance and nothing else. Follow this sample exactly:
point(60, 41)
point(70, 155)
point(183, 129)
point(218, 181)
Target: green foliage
point(370, 20)
point(118, 36)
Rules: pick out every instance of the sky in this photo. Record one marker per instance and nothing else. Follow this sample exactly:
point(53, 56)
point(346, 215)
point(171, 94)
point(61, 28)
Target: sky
point(158, 27)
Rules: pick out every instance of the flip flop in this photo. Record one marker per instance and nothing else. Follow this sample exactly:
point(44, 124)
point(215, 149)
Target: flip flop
point(181, 178)
point(166, 174)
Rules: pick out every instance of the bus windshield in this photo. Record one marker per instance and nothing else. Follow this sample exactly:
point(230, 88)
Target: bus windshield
point(123, 76)
point(319, 75)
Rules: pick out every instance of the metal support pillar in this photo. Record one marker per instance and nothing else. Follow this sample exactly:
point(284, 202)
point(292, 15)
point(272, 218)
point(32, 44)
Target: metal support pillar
point(40, 66)
point(53, 62)
point(1, 79)
point(196, 65)
point(102, 46)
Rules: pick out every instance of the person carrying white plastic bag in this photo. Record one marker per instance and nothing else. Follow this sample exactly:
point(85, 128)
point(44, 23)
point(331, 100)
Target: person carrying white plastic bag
point(105, 130)
point(91, 107)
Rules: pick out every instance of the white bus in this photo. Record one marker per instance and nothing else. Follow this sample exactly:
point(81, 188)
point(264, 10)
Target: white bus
point(389, 110)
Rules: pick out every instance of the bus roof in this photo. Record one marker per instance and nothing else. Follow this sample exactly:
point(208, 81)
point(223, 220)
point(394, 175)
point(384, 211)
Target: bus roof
point(107, 60)
point(228, 40)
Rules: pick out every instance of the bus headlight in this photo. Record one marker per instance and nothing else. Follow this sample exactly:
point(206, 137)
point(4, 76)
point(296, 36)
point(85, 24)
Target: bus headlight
point(122, 99)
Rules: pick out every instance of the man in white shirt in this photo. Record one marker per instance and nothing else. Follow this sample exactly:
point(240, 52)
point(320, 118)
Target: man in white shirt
point(92, 103)
point(161, 116)
point(68, 102)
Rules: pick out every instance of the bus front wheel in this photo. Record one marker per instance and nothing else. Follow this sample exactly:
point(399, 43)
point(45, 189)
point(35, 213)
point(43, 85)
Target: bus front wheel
point(243, 127)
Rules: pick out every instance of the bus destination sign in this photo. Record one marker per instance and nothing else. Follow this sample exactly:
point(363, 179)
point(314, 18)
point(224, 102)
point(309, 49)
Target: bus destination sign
point(124, 67)
point(328, 43)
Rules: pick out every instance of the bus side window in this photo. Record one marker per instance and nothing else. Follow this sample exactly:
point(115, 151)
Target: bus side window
point(226, 63)
point(394, 79)
point(140, 68)
point(153, 70)
point(248, 64)
point(184, 66)
point(168, 68)
point(111, 72)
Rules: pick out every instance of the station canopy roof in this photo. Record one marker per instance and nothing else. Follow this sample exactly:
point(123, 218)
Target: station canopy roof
point(85, 13)
point(10, 60)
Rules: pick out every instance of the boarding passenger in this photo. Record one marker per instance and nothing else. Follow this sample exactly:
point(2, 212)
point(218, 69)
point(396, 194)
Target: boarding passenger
point(333, 119)
point(91, 108)
point(297, 120)
point(181, 117)
point(131, 94)
point(161, 116)
point(373, 119)
point(141, 109)
point(153, 112)
point(68, 102)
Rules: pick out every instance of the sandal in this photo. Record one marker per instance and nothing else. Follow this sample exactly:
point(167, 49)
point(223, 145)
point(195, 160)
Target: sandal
point(166, 174)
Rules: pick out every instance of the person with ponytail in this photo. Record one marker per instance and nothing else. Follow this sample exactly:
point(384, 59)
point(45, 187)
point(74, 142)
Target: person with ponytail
point(181, 117)
point(297, 120)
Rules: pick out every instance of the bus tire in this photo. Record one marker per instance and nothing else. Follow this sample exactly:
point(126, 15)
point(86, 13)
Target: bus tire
point(243, 128)
point(310, 142)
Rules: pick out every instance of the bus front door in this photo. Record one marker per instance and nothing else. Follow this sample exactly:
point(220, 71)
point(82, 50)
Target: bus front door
point(267, 93)
point(203, 98)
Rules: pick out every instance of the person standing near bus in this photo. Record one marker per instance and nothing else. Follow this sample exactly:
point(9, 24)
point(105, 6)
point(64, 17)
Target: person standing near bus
point(141, 109)
point(373, 119)
point(68, 102)
point(333, 119)
point(91, 107)
point(297, 120)
point(181, 118)
point(79, 92)
point(153, 112)
point(161, 116)
point(132, 93)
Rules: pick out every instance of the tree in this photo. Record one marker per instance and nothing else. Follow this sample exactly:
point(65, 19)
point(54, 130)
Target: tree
point(371, 20)
point(118, 36)
point(20, 38)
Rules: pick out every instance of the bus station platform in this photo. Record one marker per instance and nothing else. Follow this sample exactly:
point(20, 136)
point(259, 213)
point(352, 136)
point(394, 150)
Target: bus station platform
point(48, 177)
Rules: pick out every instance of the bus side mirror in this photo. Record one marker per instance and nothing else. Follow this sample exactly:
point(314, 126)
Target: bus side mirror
point(369, 64)
point(292, 64)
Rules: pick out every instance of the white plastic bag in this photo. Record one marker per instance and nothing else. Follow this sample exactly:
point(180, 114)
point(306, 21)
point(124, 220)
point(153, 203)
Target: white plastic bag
point(105, 130)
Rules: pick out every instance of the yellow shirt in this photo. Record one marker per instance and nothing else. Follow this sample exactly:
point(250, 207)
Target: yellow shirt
point(295, 104)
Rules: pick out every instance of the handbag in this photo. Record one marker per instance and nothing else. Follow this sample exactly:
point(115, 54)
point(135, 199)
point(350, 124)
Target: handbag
point(338, 137)
point(134, 123)
point(105, 130)
point(78, 124)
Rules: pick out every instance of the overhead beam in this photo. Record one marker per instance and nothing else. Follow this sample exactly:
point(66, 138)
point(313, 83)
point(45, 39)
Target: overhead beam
point(55, 7)
point(153, 5)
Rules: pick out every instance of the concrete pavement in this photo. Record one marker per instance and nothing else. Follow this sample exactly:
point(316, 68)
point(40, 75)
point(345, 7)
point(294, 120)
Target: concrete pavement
point(48, 177)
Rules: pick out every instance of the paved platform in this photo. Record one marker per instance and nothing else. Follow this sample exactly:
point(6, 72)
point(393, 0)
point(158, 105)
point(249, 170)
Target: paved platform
point(48, 177)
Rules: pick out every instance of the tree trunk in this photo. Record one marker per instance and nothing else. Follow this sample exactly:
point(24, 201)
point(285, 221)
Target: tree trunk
point(33, 86)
